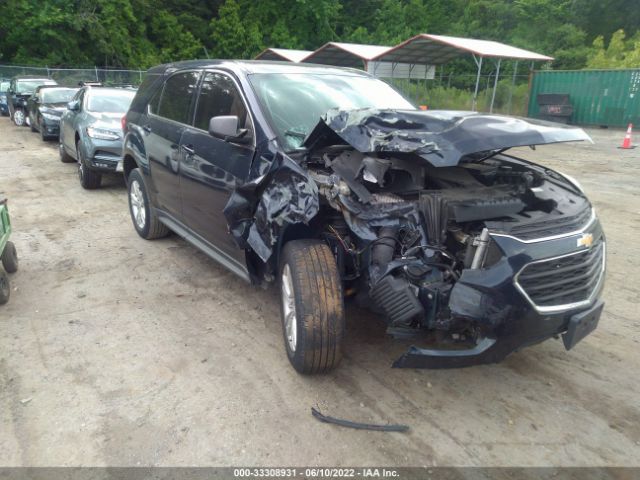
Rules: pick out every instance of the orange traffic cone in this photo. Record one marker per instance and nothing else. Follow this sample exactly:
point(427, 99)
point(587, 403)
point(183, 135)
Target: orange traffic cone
point(626, 143)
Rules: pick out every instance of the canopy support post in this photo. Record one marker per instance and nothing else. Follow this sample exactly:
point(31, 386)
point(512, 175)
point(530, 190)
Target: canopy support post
point(475, 93)
point(513, 85)
point(495, 85)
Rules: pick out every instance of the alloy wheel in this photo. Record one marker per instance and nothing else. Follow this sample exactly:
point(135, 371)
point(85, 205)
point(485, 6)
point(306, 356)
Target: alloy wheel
point(18, 118)
point(137, 204)
point(289, 309)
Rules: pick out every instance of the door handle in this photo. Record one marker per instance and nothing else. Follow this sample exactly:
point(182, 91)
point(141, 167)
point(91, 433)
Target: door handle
point(146, 128)
point(188, 149)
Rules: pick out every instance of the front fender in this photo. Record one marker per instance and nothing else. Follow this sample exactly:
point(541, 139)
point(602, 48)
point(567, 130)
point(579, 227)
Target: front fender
point(134, 149)
point(133, 146)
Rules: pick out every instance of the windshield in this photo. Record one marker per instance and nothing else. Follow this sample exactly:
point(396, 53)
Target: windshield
point(110, 101)
point(57, 95)
point(24, 87)
point(4, 86)
point(296, 101)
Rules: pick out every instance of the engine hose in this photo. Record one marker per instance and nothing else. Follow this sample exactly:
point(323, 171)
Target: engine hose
point(382, 251)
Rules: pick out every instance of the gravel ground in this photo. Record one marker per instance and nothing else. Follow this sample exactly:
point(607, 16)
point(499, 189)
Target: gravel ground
point(118, 351)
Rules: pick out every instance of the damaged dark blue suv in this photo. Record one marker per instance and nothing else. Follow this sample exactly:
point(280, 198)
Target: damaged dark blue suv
point(329, 183)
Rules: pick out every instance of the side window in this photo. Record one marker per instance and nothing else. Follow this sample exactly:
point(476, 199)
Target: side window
point(219, 96)
point(177, 95)
point(155, 102)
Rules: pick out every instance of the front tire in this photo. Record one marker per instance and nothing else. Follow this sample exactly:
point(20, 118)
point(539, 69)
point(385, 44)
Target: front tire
point(312, 306)
point(64, 156)
point(89, 179)
point(19, 118)
point(10, 258)
point(145, 220)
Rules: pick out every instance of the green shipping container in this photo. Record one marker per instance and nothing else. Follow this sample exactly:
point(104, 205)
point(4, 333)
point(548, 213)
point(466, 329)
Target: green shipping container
point(599, 97)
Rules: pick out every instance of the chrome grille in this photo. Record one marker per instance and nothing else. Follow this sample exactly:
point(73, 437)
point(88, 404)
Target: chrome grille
point(563, 282)
point(552, 226)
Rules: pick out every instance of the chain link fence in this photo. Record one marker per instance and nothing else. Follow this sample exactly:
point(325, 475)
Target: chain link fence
point(455, 92)
point(71, 77)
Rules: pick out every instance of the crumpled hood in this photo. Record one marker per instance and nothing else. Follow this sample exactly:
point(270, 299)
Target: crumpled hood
point(440, 137)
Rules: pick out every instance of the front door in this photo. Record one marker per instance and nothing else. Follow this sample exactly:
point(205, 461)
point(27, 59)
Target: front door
point(164, 125)
point(211, 168)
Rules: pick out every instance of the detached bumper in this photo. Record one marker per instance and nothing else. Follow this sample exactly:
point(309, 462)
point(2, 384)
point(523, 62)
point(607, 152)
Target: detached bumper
point(537, 291)
point(573, 327)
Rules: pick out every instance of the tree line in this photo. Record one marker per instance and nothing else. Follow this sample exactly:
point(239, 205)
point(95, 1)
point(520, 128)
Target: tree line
point(142, 33)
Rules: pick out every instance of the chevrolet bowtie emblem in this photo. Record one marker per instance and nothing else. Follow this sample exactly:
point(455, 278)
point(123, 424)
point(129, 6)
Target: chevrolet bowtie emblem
point(586, 240)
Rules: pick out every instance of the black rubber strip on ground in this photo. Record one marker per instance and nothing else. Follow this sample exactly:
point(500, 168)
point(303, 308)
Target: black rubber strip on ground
point(357, 425)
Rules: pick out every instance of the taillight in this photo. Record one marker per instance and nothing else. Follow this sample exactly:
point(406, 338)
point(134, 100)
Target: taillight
point(123, 122)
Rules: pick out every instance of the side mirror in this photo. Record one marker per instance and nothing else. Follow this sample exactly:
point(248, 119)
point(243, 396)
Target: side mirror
point(226, 128)
point(73, 105)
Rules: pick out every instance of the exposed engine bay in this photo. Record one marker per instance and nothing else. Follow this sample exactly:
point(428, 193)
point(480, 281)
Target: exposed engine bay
point(407, 230)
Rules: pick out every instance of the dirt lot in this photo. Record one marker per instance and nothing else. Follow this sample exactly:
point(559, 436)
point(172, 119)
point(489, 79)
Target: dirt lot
point(119, 351)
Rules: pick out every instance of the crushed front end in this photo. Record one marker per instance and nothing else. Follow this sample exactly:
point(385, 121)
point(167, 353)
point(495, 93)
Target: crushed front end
point(454, 242)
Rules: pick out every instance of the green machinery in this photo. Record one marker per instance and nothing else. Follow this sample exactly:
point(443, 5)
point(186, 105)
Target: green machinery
point(8, 253)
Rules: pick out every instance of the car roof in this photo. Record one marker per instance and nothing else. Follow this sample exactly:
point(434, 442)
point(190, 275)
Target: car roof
point(248, 67)
point(89, 88)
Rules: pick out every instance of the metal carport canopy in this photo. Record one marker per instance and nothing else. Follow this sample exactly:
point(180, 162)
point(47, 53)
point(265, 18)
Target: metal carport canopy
point(440, 49)
point(345, 54)
point(283, 54)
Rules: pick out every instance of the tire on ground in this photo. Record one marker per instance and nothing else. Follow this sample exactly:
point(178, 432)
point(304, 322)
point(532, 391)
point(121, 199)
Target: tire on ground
point(20, 120)
point(10, 258)
point(153, 227)
point(64, 156)
point(89, 179)
point(5, 288)
point(319, 306)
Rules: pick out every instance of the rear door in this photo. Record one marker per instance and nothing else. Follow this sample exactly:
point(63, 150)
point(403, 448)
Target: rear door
point(165, 121)
point(212, 168)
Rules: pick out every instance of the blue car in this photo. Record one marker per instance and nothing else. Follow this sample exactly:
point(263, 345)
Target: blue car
point(4, 107)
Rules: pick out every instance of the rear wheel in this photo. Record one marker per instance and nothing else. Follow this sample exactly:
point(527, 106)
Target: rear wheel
point(18, 117)
point(89, 179)
point(145, 220)
point(5, 288)
point(312, 306)
point(10, 258)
